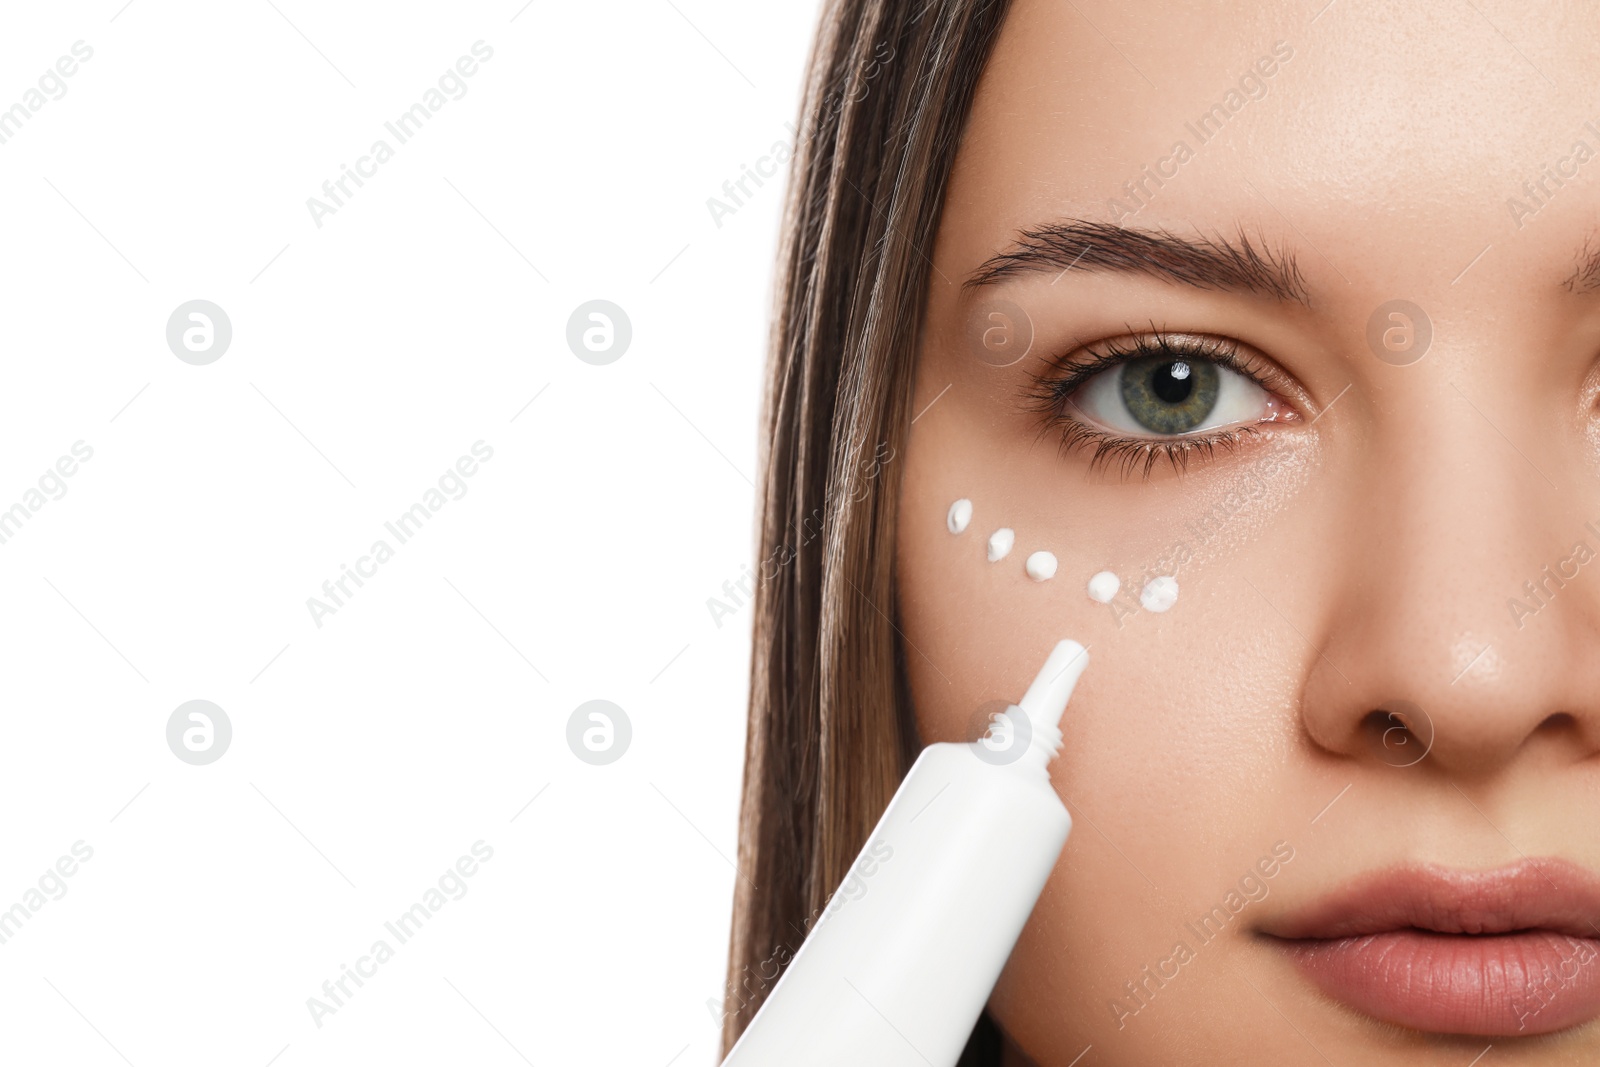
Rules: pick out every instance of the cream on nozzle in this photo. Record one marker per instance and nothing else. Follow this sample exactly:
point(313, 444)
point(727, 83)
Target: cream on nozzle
point(1047, 697)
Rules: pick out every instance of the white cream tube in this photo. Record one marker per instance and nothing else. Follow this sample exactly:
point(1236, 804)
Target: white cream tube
point(909, 947)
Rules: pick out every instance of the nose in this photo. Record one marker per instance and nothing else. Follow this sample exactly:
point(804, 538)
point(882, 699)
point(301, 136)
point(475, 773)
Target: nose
point(1466, 618)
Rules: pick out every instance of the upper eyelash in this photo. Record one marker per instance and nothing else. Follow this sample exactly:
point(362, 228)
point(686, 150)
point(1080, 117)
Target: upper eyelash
point(1053, 388)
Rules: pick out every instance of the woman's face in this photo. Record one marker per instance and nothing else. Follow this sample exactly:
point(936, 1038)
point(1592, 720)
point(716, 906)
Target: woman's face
point(1308, 324)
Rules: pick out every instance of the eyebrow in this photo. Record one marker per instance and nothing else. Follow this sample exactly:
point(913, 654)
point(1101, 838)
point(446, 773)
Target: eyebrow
point(1213, 263)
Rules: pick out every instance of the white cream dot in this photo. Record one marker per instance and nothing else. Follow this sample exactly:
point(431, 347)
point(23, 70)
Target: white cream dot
point(1103, 587)
point(960, 514)
point(1000, 543)
point(1041, 566)
point(1159, 593)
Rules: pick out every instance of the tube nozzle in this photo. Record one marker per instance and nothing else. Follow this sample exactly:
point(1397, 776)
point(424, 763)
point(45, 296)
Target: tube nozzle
point(1047, 697)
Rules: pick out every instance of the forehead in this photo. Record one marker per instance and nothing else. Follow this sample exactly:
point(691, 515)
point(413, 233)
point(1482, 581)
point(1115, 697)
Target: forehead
point(1385, 144)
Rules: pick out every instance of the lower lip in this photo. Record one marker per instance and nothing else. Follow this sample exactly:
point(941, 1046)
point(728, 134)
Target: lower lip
point(1492, 985)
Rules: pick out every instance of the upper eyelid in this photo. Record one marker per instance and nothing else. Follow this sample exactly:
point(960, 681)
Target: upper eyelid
point(1228, 352)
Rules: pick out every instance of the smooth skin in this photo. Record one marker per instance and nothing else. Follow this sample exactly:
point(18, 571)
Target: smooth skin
point(1361, 551)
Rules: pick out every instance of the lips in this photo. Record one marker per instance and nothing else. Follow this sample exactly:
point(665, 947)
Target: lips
point(1513, 951)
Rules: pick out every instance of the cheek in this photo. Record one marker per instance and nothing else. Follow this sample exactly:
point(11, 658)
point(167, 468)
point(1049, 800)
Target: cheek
point(1181, 722)
point(1183, 715)
point(974, 630)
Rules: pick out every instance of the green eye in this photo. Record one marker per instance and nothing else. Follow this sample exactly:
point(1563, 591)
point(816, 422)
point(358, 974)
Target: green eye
point(1169, 396)
point(1136, 399)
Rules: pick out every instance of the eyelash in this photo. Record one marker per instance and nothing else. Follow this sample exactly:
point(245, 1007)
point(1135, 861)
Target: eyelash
point(1053, 389)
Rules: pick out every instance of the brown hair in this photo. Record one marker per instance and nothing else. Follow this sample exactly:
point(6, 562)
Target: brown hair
point(831, 731)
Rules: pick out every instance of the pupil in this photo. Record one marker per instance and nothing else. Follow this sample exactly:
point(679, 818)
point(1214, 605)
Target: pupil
point(1171, 382)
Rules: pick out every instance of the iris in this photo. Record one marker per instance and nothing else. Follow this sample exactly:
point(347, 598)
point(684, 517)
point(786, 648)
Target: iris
point(1169, 396)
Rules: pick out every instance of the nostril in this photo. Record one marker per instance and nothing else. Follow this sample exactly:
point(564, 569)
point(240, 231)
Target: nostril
point(1398, 733)
point(1559, 722)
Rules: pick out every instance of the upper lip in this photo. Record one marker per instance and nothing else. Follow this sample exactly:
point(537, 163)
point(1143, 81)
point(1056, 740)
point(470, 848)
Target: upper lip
point(1533, 894)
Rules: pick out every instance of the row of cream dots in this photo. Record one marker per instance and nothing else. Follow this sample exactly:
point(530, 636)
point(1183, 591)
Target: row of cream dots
point(1159, 593)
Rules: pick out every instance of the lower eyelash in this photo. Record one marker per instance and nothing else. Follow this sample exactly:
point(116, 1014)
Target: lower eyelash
point(1128, 455)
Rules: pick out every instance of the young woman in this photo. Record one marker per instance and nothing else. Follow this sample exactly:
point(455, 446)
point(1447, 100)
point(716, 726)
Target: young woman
point(1286, 317)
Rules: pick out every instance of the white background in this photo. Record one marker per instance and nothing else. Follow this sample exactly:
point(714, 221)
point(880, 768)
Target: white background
point(422, 716)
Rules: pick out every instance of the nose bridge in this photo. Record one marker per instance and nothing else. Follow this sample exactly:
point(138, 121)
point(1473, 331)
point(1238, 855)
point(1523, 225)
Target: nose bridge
point(1456, 512)
point(1456, 525)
